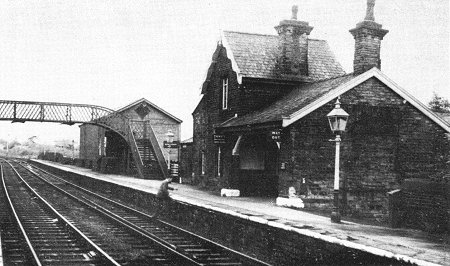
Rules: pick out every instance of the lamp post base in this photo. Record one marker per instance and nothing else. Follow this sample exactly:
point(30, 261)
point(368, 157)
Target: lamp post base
point(336, 214)
point(335, 217)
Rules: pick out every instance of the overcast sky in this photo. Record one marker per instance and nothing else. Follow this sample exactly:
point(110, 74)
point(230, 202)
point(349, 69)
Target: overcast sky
point(111, 52)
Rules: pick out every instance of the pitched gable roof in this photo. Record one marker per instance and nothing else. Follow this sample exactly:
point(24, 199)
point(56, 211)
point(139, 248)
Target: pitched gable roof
point(143, 100)
point(254, 56)
point(374, 72)
point(306, 99)
point(290, 103)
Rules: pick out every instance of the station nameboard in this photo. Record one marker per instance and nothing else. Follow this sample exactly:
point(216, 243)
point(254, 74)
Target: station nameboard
point(219, 139)
point(171, 145)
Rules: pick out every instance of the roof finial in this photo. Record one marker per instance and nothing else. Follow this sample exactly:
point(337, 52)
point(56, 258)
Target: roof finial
point(369, 11)
point(294, 12)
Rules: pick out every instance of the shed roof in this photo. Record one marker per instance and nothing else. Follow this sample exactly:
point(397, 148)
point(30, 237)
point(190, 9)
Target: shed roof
point(143, 100)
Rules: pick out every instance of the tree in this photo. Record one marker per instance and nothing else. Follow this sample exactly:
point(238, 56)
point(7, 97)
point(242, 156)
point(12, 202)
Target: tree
point(439, 104)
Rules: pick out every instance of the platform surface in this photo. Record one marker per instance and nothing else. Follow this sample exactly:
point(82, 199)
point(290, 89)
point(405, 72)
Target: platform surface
point(406, 244)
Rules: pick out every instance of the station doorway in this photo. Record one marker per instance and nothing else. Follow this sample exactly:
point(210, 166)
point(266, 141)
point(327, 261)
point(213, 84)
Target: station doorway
point(257, 166)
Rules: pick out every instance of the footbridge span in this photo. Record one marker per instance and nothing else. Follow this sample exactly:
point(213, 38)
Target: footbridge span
point(70, 114)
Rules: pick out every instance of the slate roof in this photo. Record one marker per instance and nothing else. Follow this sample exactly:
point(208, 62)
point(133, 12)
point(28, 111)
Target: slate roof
point(289, 104)
point(255, 55)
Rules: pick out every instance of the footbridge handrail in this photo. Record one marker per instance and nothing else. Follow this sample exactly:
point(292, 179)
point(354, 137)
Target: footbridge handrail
point(69, 113)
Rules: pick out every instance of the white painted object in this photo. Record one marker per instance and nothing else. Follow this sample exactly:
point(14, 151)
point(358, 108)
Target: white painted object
point(290, 202)
point(225, 192)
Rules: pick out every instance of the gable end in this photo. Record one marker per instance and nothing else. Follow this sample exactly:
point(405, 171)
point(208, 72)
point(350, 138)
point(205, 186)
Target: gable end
point(374, 72)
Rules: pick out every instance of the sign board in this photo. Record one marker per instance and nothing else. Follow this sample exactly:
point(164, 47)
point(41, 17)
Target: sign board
point(219, 139)
point(172, 145)
point(275, 135)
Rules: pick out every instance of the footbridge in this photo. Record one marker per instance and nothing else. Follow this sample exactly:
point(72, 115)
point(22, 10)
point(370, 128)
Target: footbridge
point(70, 114)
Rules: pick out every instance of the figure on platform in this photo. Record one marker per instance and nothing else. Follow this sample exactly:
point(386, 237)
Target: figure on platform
point(163, 191)
point(162, 197)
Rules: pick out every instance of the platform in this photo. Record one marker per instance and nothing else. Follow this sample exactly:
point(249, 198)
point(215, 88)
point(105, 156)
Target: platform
point(404, 244)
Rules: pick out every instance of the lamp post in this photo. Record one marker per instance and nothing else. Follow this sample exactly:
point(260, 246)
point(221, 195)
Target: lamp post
point(338, 120)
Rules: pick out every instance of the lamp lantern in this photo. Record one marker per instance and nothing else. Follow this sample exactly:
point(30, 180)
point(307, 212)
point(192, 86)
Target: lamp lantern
point(170, 136)
point(338, 120)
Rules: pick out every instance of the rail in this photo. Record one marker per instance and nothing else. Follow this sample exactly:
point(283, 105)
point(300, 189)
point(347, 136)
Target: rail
point(140, 221)
point(70, 114)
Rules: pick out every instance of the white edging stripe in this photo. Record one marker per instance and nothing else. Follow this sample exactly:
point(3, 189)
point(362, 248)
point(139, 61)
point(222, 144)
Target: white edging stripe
point(261, 220)
point(230, 56)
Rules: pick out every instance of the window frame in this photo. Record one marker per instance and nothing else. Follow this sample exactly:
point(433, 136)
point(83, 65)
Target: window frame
point(225, 92)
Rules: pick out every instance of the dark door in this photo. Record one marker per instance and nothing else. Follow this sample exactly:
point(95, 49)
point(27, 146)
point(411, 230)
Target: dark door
point(258, 160)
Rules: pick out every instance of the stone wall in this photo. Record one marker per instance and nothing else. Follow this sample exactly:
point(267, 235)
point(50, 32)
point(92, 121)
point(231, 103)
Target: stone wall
point(242, 99)
point(386, 141)
point(277, 246)
point(422, 204)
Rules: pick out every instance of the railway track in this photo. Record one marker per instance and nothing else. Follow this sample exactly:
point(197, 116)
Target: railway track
point(38, 234)
point(192, 248)
point(124, 245)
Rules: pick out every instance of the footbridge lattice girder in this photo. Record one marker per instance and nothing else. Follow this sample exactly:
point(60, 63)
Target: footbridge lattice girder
point(67, 113)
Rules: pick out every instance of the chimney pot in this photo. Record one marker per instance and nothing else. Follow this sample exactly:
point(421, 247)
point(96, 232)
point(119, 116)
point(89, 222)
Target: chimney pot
point(368, 35)
point(294, 12)
point(369, 11)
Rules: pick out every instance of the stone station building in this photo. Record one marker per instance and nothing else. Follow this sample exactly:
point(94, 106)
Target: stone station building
point(261, 129)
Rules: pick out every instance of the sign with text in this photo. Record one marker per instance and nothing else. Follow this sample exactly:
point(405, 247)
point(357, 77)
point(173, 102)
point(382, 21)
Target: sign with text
point(170, 145)
point(219, 139)
point(275, 135)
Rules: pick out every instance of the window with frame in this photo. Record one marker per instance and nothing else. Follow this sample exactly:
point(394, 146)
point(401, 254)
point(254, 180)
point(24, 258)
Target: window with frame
point(225, 94)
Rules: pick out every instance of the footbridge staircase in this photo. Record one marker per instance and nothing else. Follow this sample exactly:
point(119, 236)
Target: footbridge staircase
point(144, 147)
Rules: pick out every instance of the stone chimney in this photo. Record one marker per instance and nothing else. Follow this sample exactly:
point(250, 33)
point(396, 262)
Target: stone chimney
point(368, 35)
point(293, 46)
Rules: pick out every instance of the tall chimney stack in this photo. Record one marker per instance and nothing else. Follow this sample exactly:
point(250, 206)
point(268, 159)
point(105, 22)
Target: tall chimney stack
point(368, 35)
point(293, 46)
